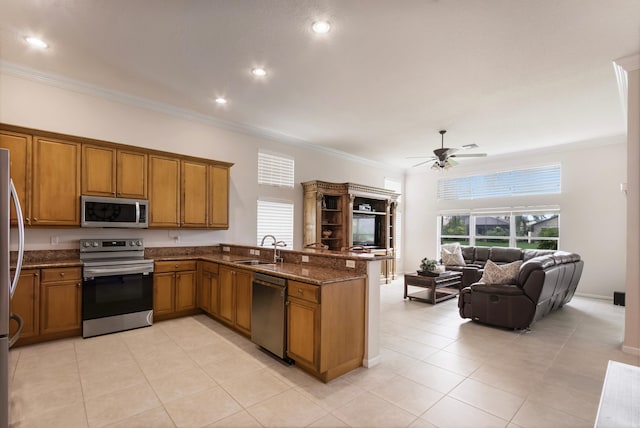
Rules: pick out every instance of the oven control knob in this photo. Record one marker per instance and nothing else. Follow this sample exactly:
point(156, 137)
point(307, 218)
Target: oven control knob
point(94, 243)
point(139, 243)
point(86, 244)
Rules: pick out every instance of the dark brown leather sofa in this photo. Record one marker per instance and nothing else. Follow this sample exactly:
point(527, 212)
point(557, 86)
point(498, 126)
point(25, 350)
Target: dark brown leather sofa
point(546, 281)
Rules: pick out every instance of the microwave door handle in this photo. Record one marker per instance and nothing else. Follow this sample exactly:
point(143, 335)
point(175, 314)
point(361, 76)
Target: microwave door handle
point(137, 212)
point(16, 203)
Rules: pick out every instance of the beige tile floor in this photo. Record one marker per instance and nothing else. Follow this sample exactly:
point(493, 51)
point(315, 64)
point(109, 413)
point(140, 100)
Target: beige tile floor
point(437, 370)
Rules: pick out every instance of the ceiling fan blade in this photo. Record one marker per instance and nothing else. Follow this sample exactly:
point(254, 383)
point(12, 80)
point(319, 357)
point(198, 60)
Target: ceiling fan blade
point(470, 155)
point(420, 157)
point(469, 146)
point(451, 162)
point(421, 163)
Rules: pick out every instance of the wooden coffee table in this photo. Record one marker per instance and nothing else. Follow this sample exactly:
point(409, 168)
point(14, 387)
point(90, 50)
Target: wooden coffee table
point(438, 288)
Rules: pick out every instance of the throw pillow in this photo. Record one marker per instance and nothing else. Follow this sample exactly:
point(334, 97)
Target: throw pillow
point(501, 274)
point(451, 255)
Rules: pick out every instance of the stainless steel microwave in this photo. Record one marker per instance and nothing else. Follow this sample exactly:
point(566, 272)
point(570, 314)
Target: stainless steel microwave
point(114, 212)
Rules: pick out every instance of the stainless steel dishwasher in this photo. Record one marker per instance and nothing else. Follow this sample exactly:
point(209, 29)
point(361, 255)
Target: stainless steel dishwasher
point(269, 314)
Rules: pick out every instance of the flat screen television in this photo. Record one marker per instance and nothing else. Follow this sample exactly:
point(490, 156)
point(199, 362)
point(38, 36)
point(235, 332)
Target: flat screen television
point(365, 230)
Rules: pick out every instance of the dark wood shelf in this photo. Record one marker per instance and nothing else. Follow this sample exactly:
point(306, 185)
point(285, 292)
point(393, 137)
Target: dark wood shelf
point(369, 212)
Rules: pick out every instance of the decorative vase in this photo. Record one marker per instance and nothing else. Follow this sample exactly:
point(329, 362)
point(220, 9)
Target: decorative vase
point(327, 233)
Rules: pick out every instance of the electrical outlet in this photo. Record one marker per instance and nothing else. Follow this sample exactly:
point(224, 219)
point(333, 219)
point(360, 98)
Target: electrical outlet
point(251, 252)
point(226, 249)
point(305, 259)
point(54, 240)
point(351, 263)
point(256, 252)
point(305, 272)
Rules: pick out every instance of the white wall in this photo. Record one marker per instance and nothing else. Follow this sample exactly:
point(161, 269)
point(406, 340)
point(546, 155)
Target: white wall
point(593, 209)
point(34, 104)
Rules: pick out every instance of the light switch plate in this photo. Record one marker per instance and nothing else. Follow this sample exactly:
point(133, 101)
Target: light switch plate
point(305, 259)
point(226, 249)
point(351, 263)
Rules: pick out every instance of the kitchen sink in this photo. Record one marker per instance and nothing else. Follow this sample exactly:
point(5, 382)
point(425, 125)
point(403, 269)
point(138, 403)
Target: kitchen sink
point(253, 262)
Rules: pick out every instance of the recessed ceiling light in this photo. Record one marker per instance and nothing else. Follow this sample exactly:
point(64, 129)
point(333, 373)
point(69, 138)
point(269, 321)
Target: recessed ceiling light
point(259, 72)
point(221, 100)
point(36, 42)
point(321, 27)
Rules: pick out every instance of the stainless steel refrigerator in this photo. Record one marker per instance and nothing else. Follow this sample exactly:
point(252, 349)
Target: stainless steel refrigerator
point(7, 282)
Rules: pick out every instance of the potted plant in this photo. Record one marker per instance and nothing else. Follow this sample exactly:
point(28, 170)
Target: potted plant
point(428, 267)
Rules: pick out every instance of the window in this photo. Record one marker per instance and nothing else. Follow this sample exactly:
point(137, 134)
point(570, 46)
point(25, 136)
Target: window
point(523, 229)
point(275, 169)
point(532, 181)
point(454, 228)
point(275, 218)
point(541, 231)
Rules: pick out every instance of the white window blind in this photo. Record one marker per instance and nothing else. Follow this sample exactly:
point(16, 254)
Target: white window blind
point(275, 218)
point(530, 181)
point(275, 169)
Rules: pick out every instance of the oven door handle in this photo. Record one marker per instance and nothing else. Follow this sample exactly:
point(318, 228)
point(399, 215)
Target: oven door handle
point(93, 272)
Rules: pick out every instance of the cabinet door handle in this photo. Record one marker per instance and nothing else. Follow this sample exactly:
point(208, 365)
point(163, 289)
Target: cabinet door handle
point(61, 273)
point(36, 274)
point(35, 219)
point(300, 291)
point(78, 285)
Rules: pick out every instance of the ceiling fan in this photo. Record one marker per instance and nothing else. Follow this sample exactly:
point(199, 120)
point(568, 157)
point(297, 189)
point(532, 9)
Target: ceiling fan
point(442, 156)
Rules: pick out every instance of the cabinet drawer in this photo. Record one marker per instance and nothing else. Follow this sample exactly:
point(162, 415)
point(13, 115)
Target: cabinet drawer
point(304, 291)
point(60, 274)
point(175, 266)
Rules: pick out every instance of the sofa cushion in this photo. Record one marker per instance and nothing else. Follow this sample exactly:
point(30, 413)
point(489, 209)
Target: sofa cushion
point(482, 255)
point(531, 253)
point(468, 253)
point(505, 255)
point(451, 255)
point(501, 274)
point(504, 289)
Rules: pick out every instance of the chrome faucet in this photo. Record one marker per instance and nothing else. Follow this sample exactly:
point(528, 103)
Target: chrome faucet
point(275, 244)
point(268, 236)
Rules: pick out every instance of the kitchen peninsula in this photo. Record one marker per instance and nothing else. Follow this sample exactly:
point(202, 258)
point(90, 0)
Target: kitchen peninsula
point(332, 301)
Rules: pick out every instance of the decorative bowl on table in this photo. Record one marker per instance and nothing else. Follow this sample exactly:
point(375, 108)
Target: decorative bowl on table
point(428, 273)
point(327, 233)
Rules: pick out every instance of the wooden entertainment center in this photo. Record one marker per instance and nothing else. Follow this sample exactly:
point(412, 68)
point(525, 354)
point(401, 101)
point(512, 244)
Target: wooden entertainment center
point(347, 215)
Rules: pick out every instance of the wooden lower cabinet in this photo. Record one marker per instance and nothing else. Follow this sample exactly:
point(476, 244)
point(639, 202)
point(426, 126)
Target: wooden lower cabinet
point(174, 288)
point(235, 297)
point(60, 300)
point(49, 301)
point(25, 303)
point(208, 288)
point(325, 327)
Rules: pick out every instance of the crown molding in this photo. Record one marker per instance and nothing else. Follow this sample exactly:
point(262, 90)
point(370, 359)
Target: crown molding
point(628, 63)
point(622, 66)
point(171, 110)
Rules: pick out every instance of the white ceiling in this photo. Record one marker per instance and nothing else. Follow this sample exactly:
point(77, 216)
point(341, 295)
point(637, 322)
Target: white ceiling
point(508, 75)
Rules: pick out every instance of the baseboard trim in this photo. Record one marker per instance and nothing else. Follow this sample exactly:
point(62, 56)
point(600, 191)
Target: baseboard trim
point(631, 350)
point(594, 296)
point(370, 362)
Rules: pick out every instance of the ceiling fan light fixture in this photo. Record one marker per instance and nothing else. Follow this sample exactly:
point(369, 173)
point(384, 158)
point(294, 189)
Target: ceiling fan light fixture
point(435, 166)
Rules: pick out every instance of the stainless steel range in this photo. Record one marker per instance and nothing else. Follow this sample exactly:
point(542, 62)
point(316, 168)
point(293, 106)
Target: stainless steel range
point(117, 286)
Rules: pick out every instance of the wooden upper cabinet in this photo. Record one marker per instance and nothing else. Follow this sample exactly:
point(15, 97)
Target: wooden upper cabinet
point(19, 146)
point(98, 170)
point(218, 197)
point(164, 191)
point(108, 172)
point(56, 183)
point(131, 175)
point(194, 200)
